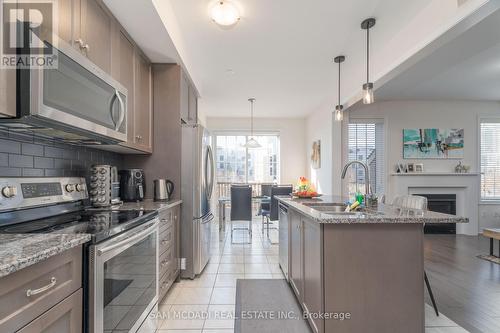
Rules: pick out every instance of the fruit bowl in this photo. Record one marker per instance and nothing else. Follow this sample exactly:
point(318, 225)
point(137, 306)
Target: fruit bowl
point(306, 195)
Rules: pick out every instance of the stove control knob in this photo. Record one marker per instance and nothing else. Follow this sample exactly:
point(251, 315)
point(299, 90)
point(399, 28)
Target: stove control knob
point(93, 178)
point(93, 185)
point(93, 192)
point(80, 187)
point(102, 171)
point(101, 199)
point(9, 191)
point(69, 188)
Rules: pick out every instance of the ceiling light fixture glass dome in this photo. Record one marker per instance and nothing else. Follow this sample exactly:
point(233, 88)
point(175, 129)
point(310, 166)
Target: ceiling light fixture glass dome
point(225, 13)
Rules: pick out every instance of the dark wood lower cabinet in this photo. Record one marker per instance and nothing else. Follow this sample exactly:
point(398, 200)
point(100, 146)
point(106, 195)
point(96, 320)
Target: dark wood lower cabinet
point(312, 296)
point(363, 277)
point(169, 242)
point(65, 317)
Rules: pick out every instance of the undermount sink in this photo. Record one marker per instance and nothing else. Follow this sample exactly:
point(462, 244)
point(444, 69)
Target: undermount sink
point(331, 207)
point(336, 209)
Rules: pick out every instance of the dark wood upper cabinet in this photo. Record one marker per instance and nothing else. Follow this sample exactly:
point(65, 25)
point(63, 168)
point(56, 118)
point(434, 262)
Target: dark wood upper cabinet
point(143, 113)
point(123, 70)
point(96, 28)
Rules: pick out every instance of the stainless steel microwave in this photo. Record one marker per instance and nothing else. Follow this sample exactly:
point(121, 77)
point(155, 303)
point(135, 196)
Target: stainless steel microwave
point(75, 102)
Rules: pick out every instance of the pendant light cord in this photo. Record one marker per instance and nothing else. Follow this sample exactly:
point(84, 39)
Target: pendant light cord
point(368, 55)
point(339, 83)
point(251, 118)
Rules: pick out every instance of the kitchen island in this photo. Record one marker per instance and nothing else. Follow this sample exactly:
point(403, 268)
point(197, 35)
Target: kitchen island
point(355, 272)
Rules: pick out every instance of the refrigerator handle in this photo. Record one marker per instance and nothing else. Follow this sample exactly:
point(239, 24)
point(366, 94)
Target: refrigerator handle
point(209, 160)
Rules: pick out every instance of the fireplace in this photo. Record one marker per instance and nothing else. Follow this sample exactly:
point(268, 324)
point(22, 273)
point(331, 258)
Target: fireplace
point(441, 203)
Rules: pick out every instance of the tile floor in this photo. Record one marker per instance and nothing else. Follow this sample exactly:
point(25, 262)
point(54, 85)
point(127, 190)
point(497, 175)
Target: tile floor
point(207, 303)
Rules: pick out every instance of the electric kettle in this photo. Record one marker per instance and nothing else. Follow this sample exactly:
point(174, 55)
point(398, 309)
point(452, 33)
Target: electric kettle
point(163, 189)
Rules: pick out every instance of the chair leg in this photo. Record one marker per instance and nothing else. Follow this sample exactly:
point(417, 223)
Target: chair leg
point(431, 294)
point(231, 231)
point(263, 224)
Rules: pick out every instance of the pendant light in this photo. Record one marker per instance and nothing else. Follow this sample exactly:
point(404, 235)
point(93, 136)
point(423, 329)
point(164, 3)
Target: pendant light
point(251, 143)
point(339, 115)
point(368, 86)
point(225, 13)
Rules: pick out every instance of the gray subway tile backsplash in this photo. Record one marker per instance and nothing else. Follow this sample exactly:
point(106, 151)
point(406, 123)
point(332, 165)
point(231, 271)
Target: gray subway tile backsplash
point(8, 146)
point(4, 159)
point(31, 149)
point(32, 157)
point(21, 161)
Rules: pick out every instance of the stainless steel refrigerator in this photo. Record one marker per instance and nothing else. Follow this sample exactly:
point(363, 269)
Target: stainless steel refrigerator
point(197, 187)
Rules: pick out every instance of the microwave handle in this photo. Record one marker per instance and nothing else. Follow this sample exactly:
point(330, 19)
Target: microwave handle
point(122, 111)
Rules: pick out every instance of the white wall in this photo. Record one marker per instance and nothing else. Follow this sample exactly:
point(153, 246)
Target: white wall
point(433, 114)
point(292, 140)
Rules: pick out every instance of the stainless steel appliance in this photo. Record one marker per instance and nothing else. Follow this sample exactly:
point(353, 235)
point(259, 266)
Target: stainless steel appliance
point(196, 192)
point(283, 238)
point(76, 102)
point(132, 184)
point(121, 260)
point(163, 189)
point(104, 186)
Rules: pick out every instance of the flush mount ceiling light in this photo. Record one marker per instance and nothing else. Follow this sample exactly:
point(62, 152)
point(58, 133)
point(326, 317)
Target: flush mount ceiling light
point(251, 143)
point(225, 13)
point(339, 116)
point(368, 86)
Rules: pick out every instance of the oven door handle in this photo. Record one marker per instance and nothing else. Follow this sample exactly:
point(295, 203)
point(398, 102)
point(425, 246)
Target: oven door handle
point(129, 240)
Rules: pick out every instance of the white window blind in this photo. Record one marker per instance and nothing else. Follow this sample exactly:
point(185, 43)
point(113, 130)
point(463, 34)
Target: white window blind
point(490, 160)
point(366, 144)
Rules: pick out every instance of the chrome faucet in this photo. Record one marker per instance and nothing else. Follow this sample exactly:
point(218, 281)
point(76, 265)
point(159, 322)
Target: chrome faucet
point(367, 175)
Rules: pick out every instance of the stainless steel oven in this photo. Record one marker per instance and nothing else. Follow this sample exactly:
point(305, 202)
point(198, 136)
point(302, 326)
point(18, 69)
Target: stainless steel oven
point(75, 101)
point(123, 279)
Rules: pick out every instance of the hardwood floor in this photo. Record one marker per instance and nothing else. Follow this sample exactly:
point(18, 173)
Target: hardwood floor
point(466, 288)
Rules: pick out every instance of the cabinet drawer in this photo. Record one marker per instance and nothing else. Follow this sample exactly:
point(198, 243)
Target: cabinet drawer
point(166, 261)
point(166, 239)
point(166, 220)
point(166, 282)
point(26, 294)
point(64, 317)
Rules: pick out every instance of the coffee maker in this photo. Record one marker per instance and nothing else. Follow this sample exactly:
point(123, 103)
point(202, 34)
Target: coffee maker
point(132, 185)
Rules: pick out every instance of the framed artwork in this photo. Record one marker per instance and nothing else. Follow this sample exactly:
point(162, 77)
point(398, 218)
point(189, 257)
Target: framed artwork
point(316, 155)
point(433, 143)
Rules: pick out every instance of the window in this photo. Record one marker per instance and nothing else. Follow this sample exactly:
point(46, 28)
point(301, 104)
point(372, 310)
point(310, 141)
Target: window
point(366, 144)
point(237, 164)
point(490, 160)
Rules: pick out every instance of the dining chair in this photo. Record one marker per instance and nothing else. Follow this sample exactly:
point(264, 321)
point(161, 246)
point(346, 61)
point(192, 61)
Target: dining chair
point(418, 203)
point(265, 207)
point(241, 208)
point(274, 211)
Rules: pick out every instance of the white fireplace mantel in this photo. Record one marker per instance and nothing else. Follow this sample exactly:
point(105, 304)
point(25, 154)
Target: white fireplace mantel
point(464, 185)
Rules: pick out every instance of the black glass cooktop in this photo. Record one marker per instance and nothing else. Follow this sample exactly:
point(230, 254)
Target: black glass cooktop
point(101, 224)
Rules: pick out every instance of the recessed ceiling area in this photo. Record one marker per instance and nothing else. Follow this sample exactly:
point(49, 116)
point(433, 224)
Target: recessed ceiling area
point(466, 68)
point(280, 52)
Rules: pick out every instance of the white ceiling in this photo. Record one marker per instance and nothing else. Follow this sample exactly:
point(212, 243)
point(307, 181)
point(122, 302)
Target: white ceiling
point(281, 51)
point(466, 68)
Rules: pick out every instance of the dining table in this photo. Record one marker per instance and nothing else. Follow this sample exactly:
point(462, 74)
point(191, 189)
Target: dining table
point(224, 201)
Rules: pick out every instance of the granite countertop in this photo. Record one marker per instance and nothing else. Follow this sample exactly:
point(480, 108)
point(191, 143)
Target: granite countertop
point(18, 251)
point(381, 214)
point(149, 204)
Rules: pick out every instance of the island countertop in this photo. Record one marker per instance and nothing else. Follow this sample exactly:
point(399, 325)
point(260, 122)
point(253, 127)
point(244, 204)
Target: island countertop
point(381, 214)
point(18, 251)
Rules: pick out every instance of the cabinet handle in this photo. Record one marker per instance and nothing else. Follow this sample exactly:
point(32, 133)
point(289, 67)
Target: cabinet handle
point(31, 292)
point(138, 137)
point(164, 242)
point(79, 41)
point(85, 47)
